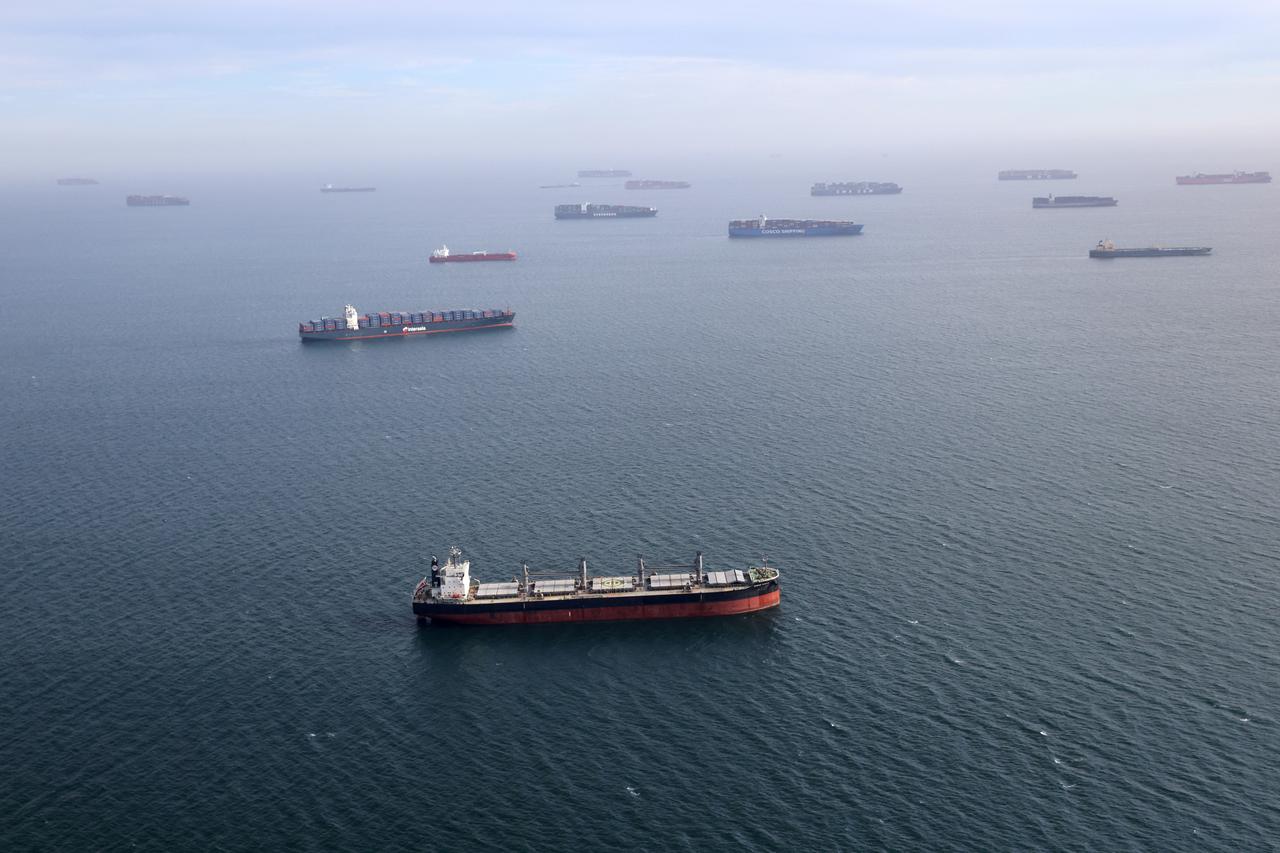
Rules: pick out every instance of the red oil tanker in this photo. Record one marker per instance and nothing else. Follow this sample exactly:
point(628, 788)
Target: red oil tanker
point(444, 256)
point(654, 592)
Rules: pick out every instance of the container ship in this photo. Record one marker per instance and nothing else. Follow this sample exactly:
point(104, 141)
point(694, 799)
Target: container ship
point(765, 227)
point(603, 173)
point(1037, 175)
point(657, 185)
point(1073, 201)
point(1107, 249)
point(856, 188)
point(330, 188)
point(157, 201)
point(602, 211)
point(402, 324)
point(76, 182)
point(444, 256)
point(449, 595)
point(1233, 178)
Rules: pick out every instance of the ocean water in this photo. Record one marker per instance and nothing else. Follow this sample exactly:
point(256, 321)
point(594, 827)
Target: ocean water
point(1024, 505)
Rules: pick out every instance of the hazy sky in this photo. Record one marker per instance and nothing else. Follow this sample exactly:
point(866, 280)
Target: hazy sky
point(278, 82)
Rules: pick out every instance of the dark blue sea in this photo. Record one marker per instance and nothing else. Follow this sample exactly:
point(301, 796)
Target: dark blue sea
point(1024, 505)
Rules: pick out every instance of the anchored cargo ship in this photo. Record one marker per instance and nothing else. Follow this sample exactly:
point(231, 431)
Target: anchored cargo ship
point(444, 256)
point(402, 324)
point(657, 185)
point(1233, 178)
point(1073, 201)
point(1107, 249)
point(76, 182)
point(604, 173)
point(653, 592)
point(856, 188)
point(1036, 175)
point(156, 201)
point(330, 188)
point(765, 227)
point(602, 211)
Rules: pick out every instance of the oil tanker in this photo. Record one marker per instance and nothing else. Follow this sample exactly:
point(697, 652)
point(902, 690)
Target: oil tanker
point(856, 188)
point(602, 211)
point(402, 324)
point(157, 201)
point(444, 256)
point(1052, 201)
point(450, 596)
point(1233, 178)
point(765, 227)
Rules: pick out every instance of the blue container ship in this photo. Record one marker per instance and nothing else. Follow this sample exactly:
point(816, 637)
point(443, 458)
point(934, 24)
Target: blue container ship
point(352, 326)
point(765, 227)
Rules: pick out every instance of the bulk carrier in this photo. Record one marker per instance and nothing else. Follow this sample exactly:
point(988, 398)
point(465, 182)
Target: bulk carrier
point(402, 324)
point(450, 596)
point(765, 227)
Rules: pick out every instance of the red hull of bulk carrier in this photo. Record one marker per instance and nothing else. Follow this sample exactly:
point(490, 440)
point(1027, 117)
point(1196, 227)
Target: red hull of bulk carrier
point(474, 256)
point(636, 612)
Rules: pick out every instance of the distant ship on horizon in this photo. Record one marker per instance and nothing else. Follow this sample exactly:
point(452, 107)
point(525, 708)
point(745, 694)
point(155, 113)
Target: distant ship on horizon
point(1037, 175)
point(1052, 201)
point(330, 188)
point(762, 226)
point(1233, 178)
point(856, 188)
point(156, 201)
point(1107, 249)
point(657, 185)
point(76, 182)
point(603, 211)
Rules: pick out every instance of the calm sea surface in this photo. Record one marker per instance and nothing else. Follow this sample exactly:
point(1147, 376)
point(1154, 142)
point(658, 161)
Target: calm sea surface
point(1024, 504)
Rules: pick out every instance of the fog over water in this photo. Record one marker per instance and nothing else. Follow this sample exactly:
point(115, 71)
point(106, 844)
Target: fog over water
point(203, 86)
